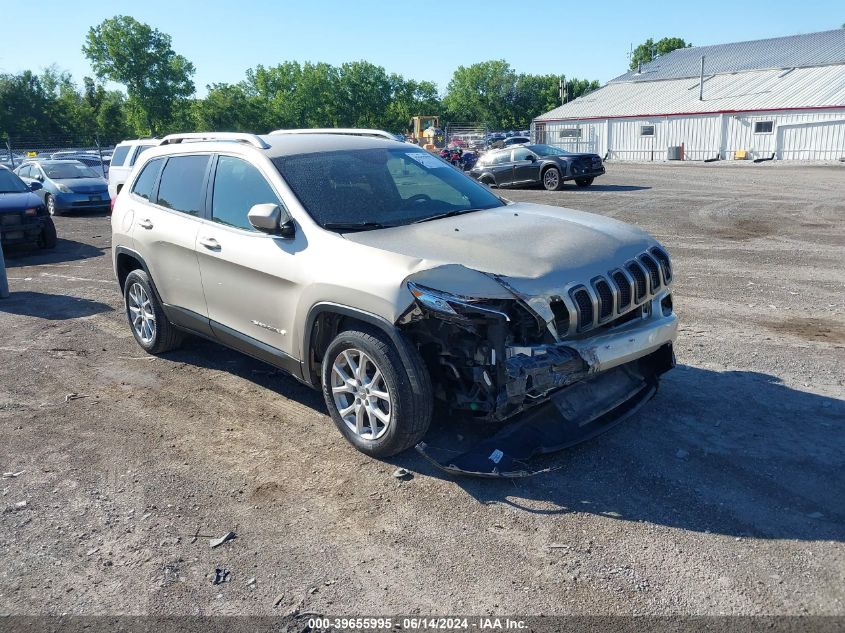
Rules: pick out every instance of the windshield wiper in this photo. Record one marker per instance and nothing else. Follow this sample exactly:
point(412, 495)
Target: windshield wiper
point(356, 226)
point(448, 214)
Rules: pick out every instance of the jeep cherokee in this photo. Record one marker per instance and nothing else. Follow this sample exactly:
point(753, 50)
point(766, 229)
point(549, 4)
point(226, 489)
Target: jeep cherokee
point(377, 272)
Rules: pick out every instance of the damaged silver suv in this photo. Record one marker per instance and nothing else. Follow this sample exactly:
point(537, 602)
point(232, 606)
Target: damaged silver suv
point(377, 272)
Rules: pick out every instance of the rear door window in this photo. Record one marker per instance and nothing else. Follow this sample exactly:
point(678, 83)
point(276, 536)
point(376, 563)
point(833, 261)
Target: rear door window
point(143, 186)
point(119, 155)
point(181, 187)
point(521, 153)
point(238, 186)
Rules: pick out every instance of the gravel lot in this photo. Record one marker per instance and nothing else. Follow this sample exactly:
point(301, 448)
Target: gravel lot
point(724, 495)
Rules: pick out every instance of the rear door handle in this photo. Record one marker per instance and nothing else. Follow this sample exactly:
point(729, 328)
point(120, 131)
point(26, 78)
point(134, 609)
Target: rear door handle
point(145, 224)
point(210, 243)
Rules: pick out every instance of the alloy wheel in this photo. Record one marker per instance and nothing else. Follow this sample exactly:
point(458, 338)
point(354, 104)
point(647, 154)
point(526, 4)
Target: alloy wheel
point(141, 313)
point(551, 179)
point(361, 394)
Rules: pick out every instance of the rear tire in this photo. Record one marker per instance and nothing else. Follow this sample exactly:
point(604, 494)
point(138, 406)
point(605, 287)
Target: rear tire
point(552, 180)
point(48, 237)
point(397, 416)
point(149, 325)
point(584, 182)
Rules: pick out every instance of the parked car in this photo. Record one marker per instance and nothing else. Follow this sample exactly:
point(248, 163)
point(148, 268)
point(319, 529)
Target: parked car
point(100, 167)
point(526, 165)
point(123, 158)
point(389, 280)
point(67, 185)
point(23, 218)
point(516, 140)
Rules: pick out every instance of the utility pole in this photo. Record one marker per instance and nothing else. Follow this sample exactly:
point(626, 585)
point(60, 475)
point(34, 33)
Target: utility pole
point(701, 81)
point(562, 89)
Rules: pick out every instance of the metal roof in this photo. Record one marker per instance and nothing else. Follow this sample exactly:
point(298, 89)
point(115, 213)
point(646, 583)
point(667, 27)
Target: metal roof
point(793, 51)
point(800, 88)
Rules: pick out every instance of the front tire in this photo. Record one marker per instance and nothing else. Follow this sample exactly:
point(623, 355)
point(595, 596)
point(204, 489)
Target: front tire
point(50, 201)
point(369, 394)
point(48, 238)
point(149, 325)
point(584, 182)
point(552, 180)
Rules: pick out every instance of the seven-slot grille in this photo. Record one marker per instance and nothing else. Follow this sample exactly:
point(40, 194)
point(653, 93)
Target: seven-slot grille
point(621, 290)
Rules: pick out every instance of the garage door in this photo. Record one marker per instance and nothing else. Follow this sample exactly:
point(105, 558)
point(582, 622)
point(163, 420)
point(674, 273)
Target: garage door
point(812, 141)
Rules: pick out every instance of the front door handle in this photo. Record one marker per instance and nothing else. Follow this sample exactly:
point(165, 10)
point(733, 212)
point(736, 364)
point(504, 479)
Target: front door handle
point(210, 243)
point(145, 224)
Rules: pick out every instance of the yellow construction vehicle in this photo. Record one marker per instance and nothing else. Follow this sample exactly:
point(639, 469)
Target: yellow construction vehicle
point(425, 130)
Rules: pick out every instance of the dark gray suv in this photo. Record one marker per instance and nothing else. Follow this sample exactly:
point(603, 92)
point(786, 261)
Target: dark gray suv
point(527, 165)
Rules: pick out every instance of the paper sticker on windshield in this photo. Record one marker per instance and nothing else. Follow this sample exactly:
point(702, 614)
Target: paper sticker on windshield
point(427, 160)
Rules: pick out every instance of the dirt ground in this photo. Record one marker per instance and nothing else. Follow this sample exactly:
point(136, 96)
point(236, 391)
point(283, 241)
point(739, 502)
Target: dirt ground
point(724, 495)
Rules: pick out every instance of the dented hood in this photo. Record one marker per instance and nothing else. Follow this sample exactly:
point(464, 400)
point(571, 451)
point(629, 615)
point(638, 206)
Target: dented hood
point(534, 248)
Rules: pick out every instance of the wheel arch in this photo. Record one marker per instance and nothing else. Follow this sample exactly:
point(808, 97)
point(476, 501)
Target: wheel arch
point(125, 261)
point(326, 319)
point(548, 165)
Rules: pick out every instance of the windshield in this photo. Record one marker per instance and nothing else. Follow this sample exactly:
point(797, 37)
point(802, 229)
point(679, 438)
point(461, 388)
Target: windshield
point(548, 150)
point(67, 171)
point(10, 183)
point(374, 188)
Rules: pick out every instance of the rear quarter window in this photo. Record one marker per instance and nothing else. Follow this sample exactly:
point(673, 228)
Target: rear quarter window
point(119, 155)
point(145, 182)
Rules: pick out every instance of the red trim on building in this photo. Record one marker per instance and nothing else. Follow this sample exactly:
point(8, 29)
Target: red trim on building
point(648, 116)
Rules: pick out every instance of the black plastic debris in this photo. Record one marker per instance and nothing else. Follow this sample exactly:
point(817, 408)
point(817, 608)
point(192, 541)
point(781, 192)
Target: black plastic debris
point(221, 575)
point(573, 415)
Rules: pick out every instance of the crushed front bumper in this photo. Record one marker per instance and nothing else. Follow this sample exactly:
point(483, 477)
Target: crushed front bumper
point(536, 371)
point(572, 415)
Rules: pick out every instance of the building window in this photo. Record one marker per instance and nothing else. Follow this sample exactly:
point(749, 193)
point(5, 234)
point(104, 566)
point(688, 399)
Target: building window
point(571, 133)
point(646, 130)
point(763, 127)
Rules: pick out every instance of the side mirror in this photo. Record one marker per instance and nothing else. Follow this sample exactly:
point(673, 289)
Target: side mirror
point(35, 186)
point(531, 158)
point(271, 219)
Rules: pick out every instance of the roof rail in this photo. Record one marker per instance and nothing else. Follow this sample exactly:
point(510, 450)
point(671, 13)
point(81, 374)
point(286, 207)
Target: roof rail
point(351, 131)
point(240, 137)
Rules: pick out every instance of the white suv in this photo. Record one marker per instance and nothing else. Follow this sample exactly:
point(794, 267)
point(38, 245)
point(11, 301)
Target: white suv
point(123, 159)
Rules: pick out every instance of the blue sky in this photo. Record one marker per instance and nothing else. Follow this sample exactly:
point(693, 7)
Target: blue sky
point(223, 38)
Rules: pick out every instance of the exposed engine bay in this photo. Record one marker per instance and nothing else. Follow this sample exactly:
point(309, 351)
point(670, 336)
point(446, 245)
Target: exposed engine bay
point(491, 360)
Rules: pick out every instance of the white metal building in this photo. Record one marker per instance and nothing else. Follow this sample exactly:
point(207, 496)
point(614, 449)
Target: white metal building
point(783, 96)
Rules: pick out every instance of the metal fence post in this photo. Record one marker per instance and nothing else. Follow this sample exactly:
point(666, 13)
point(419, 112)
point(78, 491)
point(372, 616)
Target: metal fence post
point(100, 152)
point(9, 147)
point(4, 281)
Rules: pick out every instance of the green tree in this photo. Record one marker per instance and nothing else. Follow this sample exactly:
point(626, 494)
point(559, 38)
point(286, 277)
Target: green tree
point(24, 106)
point(126, 51)
point(492, 93)
point(650, 50)
point(227, 107)
point(483, 92)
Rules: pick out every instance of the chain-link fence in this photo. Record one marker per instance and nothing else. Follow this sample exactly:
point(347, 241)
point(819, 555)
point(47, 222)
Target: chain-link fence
point(467, 135)
point(16, 150)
